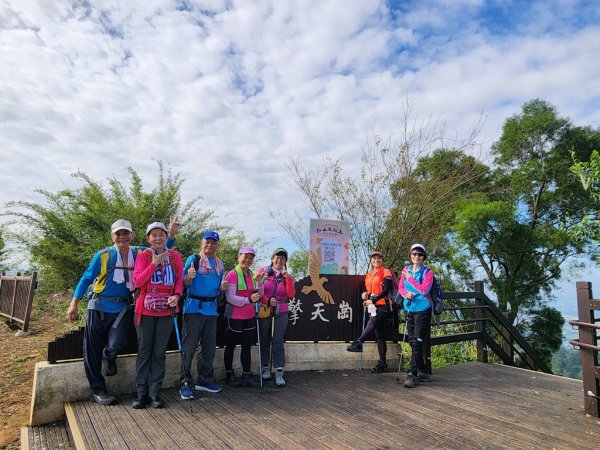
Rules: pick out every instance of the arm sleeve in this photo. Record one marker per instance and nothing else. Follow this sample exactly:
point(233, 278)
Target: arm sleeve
point(425, 286)
point(401, 288)
point(232, 296)
point(178, 266)
point(88, 277)
point(387, 288)
point(170, 242)
point(143, 270)
point(290, 287)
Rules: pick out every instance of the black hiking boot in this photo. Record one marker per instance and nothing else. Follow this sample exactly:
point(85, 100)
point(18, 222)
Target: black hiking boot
point(356, 346)
point(381, 367)
point(249, 381)
point(231, 380)
point(110, 367)
point(423, 377)
point(140, 402)
point(156, 402)
point(101, 397)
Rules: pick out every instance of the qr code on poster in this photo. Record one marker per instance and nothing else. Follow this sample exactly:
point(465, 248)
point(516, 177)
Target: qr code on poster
point(329, 255)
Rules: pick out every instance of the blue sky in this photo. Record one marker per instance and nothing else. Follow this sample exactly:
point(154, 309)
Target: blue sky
point(226, 91)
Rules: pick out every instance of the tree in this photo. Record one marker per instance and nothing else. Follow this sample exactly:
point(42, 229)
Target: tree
point(65, 229)
point(588, 172)
point(518, 233)
point(380, 198)
point(298, 264)
point(544, 332)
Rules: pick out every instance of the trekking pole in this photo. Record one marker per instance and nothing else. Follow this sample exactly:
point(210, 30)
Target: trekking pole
point(401, 354)
point(272, 334)
point(363, 330)
point(182, 355)
point(256, 306)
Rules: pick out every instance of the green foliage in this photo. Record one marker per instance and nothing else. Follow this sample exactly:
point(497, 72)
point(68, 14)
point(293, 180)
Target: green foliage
point(544, 332)
point(298, 264)
point(519, 231)
point(425, 203)
point(589, 176)
point(64, 230)
point(3, 252)
point(567, 362)
point(402, 191)
point(447, 354)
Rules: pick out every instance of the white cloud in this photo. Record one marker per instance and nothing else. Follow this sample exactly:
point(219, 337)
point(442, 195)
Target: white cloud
point(224, 90)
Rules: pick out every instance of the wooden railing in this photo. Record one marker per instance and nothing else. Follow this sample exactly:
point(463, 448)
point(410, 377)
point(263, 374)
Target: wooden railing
point(588, 346)
point(488, 325)
point(490, 328)
point(16, 298)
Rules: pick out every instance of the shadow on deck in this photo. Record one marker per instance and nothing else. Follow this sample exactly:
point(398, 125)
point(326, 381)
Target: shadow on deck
point(466, 406)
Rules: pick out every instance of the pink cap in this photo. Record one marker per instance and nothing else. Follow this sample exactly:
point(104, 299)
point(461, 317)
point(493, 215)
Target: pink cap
point(247, 249)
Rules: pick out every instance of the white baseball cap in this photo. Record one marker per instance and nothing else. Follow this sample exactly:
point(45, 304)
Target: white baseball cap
point(155, 225)
point(121, 224)
point(421, 246)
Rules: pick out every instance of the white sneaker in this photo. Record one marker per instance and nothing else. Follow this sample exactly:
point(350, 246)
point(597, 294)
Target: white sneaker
point(279, 381)
point(266, 373)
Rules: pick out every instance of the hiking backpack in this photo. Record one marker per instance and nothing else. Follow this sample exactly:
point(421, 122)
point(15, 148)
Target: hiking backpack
point(436, 294)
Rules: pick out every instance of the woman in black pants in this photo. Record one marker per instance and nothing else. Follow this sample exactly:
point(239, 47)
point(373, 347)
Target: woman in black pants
point(378, 288)
point(415, 284)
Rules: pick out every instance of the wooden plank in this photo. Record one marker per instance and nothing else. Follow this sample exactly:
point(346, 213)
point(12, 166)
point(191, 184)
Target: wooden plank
point(466, 406)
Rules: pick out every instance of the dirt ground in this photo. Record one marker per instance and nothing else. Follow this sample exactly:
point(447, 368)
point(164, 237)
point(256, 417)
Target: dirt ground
point(18, 356)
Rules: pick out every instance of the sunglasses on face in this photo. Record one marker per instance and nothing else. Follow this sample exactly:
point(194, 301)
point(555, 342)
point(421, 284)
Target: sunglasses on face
point(417, 254)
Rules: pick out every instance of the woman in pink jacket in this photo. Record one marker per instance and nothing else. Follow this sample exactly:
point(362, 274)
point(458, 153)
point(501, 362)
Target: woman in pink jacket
point(158, 273)
point(279, 289)
point(243, 294)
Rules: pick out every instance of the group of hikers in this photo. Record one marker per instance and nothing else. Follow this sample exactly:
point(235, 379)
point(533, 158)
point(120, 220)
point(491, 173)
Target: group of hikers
point(152, 280)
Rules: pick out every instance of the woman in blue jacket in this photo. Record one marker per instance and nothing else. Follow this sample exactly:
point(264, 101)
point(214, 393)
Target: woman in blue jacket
point(415, 284)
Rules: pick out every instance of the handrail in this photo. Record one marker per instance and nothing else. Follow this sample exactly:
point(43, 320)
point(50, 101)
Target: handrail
point(576, 343)
point(516, 349)
point(515, 334)
point(579, 323)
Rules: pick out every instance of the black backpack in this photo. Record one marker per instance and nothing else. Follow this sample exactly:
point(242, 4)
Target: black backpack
point(436, 294)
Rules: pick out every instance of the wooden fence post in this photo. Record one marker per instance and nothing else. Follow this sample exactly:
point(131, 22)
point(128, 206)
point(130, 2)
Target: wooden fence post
point(480, 324)
point(589, 357)
point(32, 286)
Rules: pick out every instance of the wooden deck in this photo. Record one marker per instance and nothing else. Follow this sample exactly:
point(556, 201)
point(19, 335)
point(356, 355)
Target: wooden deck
point(465, 406)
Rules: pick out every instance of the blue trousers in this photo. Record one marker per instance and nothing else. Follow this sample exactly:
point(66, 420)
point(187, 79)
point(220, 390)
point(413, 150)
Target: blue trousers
point(101, 340)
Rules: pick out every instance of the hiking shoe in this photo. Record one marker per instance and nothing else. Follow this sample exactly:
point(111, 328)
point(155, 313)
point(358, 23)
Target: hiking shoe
point(205, 386)
point(423, 377)
point(231, 380)
point(110, 367)
point(140, 402)
point(410, 381)
point(186, 393)
point(156, 402)
point(266, 373)
point(279, 380)
point(380, 368)
point(356, 346)
point(101, 397)
point(249, 381)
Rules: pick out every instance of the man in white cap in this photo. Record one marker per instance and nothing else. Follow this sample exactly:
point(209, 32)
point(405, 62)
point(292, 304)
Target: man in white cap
point(108, 315)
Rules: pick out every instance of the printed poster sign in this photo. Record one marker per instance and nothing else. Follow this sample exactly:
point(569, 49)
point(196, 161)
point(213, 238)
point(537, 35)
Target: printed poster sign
point(329, 247)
